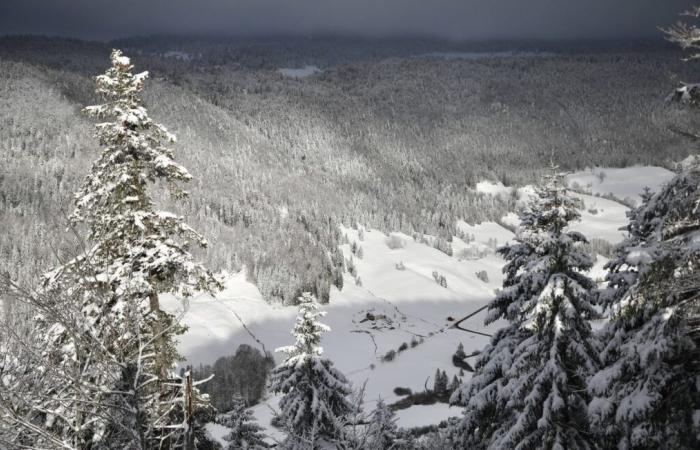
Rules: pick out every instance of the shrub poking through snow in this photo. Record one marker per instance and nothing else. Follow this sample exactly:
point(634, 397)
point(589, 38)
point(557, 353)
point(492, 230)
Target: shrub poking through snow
point(442, 245)
point(350, 265)
point(483, 276)
point(440, 279)
point(401, 391)
point(389, 356)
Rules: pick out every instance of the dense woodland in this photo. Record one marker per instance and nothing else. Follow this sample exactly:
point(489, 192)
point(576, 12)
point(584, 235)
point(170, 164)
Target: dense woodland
point(379, 138)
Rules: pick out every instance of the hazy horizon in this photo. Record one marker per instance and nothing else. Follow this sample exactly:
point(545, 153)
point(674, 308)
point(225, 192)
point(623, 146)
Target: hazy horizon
point(457, 20)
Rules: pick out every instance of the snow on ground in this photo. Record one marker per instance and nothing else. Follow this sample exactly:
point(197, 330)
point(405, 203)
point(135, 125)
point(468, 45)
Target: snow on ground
point(488, 187)
point(601, 218)
point(264, 412)
point(217, 432)
point(421, 415)
point(299, 73)
point(409, 302)
point(624, 183)
point(390, 308)
point(486, 232)
point(598, 271)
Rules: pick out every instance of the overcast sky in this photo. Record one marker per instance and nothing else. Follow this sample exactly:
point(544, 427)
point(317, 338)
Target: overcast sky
point(455, 19)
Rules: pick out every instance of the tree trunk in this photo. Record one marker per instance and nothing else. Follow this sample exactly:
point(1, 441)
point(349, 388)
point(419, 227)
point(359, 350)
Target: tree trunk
point(189, 411)
point(159, 342)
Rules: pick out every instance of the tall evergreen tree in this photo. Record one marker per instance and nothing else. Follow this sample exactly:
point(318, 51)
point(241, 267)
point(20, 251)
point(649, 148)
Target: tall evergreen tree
point(134, 253)
point(528, 390)
point(646, 395)
point(315, 400)
point(440, 383)
point(454, 384)
point(484, 396)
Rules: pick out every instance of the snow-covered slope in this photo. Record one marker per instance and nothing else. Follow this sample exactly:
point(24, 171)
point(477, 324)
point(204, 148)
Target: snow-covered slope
point(601, 218)
point(625, 184)
point(389, 308)
point(407, 304)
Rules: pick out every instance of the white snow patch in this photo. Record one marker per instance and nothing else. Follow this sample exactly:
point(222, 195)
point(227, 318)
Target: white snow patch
point(488, 187)
point(625, 184)
point(412, 302)
point(264, 412)
point(601, 219)
point(217, 432)
point(598, 271)
point(511, 219)
point(420, 415)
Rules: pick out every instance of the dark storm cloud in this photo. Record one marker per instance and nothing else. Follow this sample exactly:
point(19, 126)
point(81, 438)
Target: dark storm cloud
point(459, 19)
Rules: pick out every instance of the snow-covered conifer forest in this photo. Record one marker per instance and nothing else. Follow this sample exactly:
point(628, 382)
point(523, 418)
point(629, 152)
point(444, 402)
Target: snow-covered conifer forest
point(350, 243)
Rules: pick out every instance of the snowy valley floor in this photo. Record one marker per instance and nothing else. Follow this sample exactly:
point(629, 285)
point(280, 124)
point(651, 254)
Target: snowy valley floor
point(405, 304)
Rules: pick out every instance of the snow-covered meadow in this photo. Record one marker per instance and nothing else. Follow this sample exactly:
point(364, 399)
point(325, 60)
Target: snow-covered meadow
point(623, 183)
point(405, 304)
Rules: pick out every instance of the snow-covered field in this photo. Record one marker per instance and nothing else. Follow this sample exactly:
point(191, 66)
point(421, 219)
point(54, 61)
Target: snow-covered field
point(601, 218)
point(409, 302)
point(405, 304)
point(626, 183)
point(488, 187)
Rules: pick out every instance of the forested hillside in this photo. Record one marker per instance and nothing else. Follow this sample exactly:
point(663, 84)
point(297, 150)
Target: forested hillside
point(389, 139)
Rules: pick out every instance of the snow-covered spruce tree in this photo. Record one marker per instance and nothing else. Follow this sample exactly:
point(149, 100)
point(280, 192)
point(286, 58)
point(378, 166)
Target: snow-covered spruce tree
point(245, 432)
point(134, 253)
point(528, 390)
point(546, 382)
point(440, 383)
point(620, 275)
point(354, 435)
point(646, 395)
point(382, 431)
point(315, 401)
point(484, 396)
